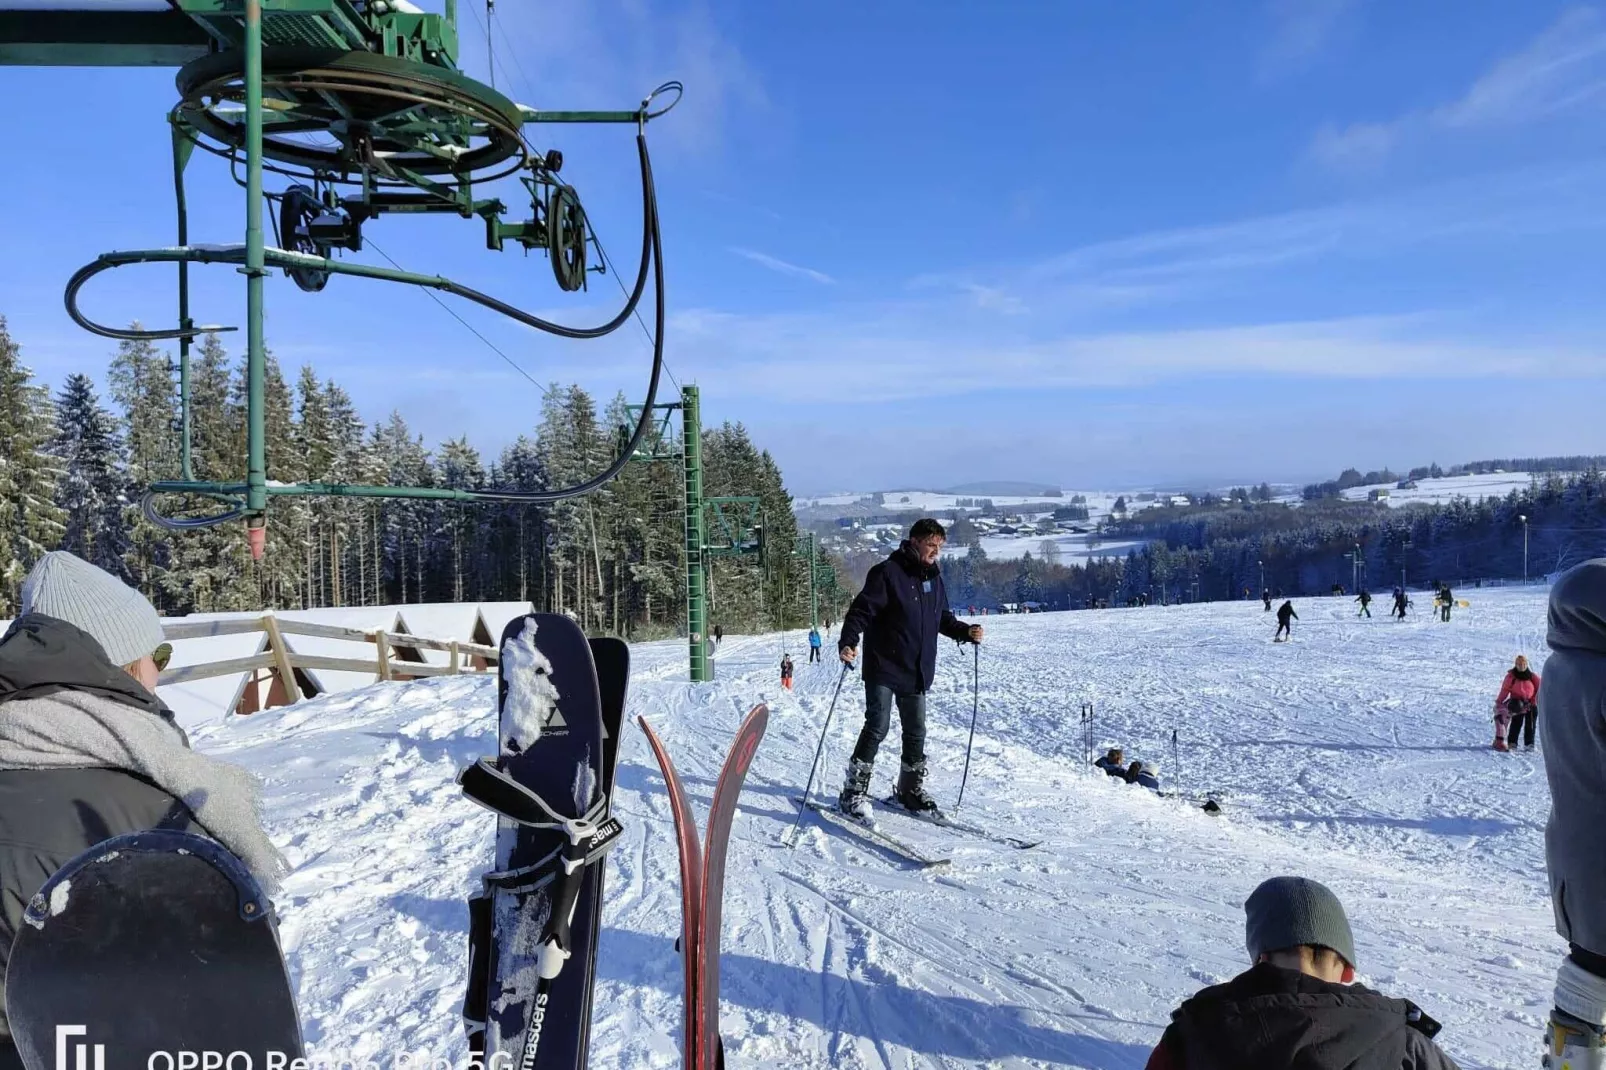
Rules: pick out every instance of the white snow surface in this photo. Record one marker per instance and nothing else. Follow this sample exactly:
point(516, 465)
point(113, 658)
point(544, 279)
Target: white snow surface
point(1358, 754)
point(1442, 491)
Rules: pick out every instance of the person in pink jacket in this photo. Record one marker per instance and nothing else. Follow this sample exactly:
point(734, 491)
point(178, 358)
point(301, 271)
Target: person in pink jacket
point(1516, 708)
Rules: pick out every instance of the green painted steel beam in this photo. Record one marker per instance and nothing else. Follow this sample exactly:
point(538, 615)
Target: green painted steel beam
point(99, 38)
point(696, 566)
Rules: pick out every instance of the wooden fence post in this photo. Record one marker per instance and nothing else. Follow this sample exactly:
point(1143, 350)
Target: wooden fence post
point(453, 664)
point(281, 660)
point(384, 655)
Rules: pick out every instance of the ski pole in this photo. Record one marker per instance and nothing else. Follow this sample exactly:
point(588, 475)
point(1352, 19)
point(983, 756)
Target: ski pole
point(1176, 760)
point(791, 837)
point(975, 705)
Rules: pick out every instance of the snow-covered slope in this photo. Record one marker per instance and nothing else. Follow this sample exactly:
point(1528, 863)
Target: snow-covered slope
point(1441, 491)
point(1357, 754)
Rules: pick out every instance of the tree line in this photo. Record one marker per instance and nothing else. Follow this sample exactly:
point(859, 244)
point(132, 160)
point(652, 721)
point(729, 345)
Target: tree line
point(72, 472)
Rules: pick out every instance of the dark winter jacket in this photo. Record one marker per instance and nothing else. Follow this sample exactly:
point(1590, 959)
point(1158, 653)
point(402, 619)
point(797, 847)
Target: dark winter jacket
point(1285, 611)
point(49, 816)
point(1111, 766)
point(1572, 720)
point(900, 613)
point(1271, 1017)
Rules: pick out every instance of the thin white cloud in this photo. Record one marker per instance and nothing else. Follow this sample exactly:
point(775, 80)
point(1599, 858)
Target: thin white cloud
point(1561, 70)
point(902, 355)
point(1301, 30)
point(775, 263)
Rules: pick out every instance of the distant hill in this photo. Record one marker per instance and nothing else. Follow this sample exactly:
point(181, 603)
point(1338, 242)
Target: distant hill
point(1007, 488)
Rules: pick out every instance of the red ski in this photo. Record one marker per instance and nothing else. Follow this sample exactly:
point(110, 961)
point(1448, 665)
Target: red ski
point(702, 881)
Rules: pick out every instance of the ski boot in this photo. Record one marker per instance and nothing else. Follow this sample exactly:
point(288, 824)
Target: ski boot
point(912, 794)
point(1576, 1036)
point(855, 798)
point(1573, 1044)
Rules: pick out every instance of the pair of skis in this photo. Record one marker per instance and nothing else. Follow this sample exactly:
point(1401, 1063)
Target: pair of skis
point(702, 882)
point(535, 926)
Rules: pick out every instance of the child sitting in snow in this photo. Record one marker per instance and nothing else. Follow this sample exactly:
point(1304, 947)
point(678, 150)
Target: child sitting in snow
point(1113, 762)
point(1296, 1006)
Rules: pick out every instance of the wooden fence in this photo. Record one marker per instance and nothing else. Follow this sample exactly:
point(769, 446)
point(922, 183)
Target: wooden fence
point(396, 656)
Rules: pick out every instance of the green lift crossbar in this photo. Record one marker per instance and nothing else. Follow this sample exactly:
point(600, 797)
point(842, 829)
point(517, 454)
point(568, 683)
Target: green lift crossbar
point(362, 107)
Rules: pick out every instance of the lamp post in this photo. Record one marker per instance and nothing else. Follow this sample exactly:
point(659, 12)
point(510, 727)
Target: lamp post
point(1262, 565)
point(1356, 579)
point(1524, 520)
point(1407, 549)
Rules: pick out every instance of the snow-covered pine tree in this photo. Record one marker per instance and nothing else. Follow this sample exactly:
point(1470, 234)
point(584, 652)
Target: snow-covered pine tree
point(90, 489)
point(144, 387)
point(31, 523)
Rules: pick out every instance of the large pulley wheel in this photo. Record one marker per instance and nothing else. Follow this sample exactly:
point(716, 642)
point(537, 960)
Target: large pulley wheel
point(297, 209)
point(566, 237)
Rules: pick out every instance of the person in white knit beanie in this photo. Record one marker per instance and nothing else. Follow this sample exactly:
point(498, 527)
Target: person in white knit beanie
point(87, 749)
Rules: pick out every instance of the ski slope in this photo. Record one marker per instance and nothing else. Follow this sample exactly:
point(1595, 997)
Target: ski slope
point(1356, 754)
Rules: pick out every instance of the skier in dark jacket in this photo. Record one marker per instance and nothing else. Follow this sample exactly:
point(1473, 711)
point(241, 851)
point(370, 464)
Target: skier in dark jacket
point(1285, 613)
point(1144, 775)
point(899, 614)
point(1573, 724)
point(1265, 597)
point(1113, 763)
point(87, 750)
point(1446, 600)
point(1400, 602)
point(1296, 1006)
point(1365, 599)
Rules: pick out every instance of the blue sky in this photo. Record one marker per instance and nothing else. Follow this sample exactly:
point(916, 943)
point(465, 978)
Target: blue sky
point(920, 244)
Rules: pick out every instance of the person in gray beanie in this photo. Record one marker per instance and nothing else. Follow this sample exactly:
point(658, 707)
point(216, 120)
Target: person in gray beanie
point(1572, 722)
point(1297, 1004)
point(88, 751)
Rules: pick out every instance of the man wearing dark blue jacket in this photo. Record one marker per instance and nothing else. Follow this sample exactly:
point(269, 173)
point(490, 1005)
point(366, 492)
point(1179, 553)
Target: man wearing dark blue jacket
point(901, 611)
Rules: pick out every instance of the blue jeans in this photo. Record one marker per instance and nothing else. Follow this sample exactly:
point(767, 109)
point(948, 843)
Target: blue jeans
point(878, 702)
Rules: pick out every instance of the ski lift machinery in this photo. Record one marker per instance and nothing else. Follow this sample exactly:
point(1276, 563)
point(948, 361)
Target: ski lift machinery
point(361, 107)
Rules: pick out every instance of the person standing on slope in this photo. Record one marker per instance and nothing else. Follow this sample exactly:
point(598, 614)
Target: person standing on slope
point(87, 750)
point(1446, 600)
point(1400, 602)
point(1574, 705)
point(786, 671)
point(1516, 707)
point(814, 645)
point(1365, 599)
point(899, 615)
point(1285, 613)
point(1297, 1004)
point(1265, 597)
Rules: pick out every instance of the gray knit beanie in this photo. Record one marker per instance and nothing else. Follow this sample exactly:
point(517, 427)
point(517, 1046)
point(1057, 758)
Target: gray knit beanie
point(1286, 912)
point(114, 614)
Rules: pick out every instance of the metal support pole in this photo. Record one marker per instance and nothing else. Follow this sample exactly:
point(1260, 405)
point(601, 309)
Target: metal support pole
point(182, 147)
point(696, 577)
point(814, 586)
point(256, 477)
point(1524, 520)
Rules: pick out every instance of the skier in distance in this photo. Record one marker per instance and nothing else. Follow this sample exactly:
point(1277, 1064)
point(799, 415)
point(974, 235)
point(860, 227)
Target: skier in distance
point(1285, 613)
point(1297, 1004)
point(1516, 707)
point(786, 671)
point(87, 749)
point(1365, 599)
point(1446, 600)
point(899, 615)
point(1575, 837)
point(1265, 598)
point(814, 645)
point(1400, 602)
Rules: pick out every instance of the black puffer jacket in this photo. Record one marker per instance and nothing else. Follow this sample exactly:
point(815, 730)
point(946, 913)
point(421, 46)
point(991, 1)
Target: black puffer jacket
point(1273, 1017)
point(901, 612)
point(49, 816)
